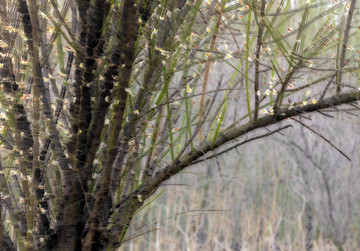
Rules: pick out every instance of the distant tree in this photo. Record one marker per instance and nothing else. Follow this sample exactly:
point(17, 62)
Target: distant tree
point(103, 101)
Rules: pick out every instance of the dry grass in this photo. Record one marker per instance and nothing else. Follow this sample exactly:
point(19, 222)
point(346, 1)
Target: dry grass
point(247, 202)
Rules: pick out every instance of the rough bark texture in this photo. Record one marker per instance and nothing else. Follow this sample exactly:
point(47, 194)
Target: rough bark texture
point(95, 218)
point(127, 38)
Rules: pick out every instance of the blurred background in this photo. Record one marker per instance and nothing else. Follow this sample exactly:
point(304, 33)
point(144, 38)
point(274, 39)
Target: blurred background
point(289, 191)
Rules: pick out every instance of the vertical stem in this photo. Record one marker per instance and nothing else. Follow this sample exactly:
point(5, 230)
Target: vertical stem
point(30, 202)
point(127, 42)
point(343, 48)
point(358, 73)
point(168, 117)
point(247, 51)
point(257, 59)
point(206, 74)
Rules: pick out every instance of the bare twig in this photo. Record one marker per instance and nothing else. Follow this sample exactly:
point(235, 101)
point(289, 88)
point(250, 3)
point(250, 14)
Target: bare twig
point(328, 141)
point(241, 143)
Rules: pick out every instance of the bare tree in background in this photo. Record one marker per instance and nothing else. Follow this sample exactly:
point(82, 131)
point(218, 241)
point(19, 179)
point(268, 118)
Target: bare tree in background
point(329, 187)
point(104, 101)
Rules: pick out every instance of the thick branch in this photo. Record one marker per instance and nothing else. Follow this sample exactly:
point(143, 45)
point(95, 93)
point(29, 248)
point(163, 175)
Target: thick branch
point(127, 39)
point(131, 203)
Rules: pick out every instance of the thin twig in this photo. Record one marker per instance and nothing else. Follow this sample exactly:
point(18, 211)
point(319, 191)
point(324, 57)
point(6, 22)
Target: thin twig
point(328, 141)
point(241, 143)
